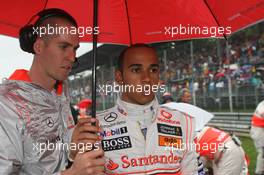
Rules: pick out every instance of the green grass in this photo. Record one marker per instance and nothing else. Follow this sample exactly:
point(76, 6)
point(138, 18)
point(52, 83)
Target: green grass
point(250, 150)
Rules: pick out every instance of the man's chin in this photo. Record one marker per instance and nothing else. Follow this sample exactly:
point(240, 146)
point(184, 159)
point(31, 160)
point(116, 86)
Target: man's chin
point(61, 78)
point(145, 99)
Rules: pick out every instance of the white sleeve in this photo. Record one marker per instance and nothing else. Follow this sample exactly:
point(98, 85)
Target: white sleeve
point(260, 110)
point(189, 164)
point(68, 141)
point(11, 151)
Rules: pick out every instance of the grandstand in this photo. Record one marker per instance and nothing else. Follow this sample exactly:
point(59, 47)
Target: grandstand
point(222, 76)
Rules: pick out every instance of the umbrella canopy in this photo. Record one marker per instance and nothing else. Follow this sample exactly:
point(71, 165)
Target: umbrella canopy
point(144, 21)
point(139, 21)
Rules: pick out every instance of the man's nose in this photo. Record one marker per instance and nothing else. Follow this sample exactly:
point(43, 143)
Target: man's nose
point(145, 76)
point(72, 56)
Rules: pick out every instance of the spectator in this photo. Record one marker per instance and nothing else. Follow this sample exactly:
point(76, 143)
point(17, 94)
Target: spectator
point(185, 96)
point(166, 98)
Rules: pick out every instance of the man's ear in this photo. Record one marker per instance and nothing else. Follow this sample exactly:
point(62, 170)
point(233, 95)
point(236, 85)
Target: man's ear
point(38, 45)
point(118, 77)
point(161, 83)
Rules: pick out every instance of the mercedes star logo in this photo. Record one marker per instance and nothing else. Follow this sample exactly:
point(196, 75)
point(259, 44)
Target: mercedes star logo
point(50, 122)
point(111, 117)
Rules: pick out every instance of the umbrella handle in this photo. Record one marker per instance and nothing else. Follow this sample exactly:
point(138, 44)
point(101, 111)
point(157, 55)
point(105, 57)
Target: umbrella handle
point(95, 19)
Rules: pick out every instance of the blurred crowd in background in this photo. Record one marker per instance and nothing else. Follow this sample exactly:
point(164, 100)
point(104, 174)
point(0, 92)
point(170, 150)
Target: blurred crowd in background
point(212, 69)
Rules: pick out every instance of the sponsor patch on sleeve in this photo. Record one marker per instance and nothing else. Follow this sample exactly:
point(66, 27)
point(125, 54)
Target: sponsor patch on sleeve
point(171, 130)
point(170, 141)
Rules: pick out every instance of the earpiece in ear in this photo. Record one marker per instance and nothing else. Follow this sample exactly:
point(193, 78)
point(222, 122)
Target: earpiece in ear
point(27, 38)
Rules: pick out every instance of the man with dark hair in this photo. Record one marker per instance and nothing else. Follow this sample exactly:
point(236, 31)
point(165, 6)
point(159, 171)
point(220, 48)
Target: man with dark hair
point(139, 136)
point(36, 127)
point(122, 55)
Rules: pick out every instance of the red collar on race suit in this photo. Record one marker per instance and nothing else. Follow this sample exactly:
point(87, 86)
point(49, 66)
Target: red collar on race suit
point(22, 75)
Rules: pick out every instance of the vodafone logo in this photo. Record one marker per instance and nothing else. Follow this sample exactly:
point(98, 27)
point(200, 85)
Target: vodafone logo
point(166, 117)
point(166, 114)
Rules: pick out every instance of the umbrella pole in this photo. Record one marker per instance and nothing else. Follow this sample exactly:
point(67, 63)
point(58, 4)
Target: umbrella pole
point(95, 24)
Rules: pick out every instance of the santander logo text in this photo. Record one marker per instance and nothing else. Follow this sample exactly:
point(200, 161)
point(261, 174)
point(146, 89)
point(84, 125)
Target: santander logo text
point(150, 160)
